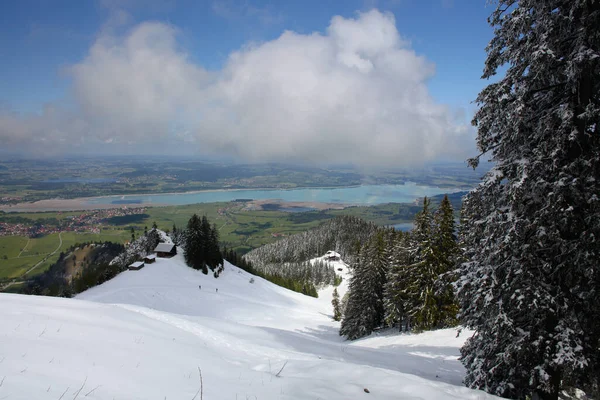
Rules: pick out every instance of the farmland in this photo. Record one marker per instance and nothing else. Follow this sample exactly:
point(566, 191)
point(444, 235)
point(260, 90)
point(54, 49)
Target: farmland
point(19, 254)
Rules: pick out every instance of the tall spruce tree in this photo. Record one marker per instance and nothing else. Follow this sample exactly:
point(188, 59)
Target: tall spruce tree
point(397, 279)
point(335, 302)
point(532, 237)
point(364, 311)
point(202, 249)
point(206, 246)
point(446, 255)
point(194, 251)
point(215, 258)
point(420, 302)
point(176, 236)
point(357, 314)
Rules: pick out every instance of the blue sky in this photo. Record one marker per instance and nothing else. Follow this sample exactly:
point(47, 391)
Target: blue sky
point(41, 41)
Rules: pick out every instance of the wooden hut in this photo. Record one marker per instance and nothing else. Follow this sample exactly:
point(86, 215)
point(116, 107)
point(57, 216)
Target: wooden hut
point(136, 266)
point(165, 250)
point(150, 258)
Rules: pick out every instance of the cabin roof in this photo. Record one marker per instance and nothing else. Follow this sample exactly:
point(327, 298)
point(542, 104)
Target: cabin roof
point(164, 248)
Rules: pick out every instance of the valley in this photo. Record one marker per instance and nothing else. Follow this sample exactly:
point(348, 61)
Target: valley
point(243, 225)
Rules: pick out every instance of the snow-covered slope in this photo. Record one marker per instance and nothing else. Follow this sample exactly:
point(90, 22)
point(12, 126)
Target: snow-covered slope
point(157, 329)
point(341, 269)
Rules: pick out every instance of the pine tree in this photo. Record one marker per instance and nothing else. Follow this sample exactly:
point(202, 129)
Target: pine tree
point(202, 249)
point(364, 311)
point(205, 245)
point(421, 273)
point(214, 251)
point(175, 236)
point(194, 251)
point(530, 285)
point(446, 256)
point(152, 240)
point(397, 280)
point(335, 302)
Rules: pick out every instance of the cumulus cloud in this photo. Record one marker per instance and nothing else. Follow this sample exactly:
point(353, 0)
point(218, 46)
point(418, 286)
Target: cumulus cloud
point(356, 93)
point(136, 88)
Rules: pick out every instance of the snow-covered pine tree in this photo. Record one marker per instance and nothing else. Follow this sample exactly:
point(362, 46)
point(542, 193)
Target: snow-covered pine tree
point(420, 302)
point(531, 283)
point(152, 240)
point(335, 302)
point(340, 234)
point(177, 235)
point(364, 311)
point(379, 256)
point(397, 279)
point(446, 255)
point(354, 321)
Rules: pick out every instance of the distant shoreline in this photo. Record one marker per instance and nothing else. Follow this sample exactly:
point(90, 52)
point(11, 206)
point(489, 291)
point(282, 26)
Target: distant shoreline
point(226, 190)
point(63, 205)
point(71, 205)
point(318, 206)
point(82, 203)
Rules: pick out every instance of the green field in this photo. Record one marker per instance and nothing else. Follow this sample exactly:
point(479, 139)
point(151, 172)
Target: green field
point(239, 228)
point(39, 250)
point(11, 246)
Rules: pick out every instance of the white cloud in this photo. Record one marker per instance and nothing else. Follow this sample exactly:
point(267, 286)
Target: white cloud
point(139, 86)
point(357, 93)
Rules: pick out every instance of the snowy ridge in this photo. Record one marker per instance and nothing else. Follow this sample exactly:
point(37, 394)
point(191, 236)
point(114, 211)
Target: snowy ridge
point(164, 238)
point(145, 335)
point(141, 247)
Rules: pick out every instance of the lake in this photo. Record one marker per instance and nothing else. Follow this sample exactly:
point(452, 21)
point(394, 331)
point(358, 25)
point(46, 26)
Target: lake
point(404, 226)
point(358, 195)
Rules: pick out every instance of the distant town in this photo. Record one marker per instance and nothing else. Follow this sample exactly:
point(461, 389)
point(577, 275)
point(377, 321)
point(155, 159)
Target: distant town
point(87, 221)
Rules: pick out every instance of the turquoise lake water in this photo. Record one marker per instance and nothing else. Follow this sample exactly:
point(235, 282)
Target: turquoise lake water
point(359, 195)
point(404, 226)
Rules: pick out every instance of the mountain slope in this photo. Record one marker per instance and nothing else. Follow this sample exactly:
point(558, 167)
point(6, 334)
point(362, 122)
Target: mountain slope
point(158, 328)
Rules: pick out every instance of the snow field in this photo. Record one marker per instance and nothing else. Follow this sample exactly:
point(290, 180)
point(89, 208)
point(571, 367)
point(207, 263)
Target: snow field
point(145, 334)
